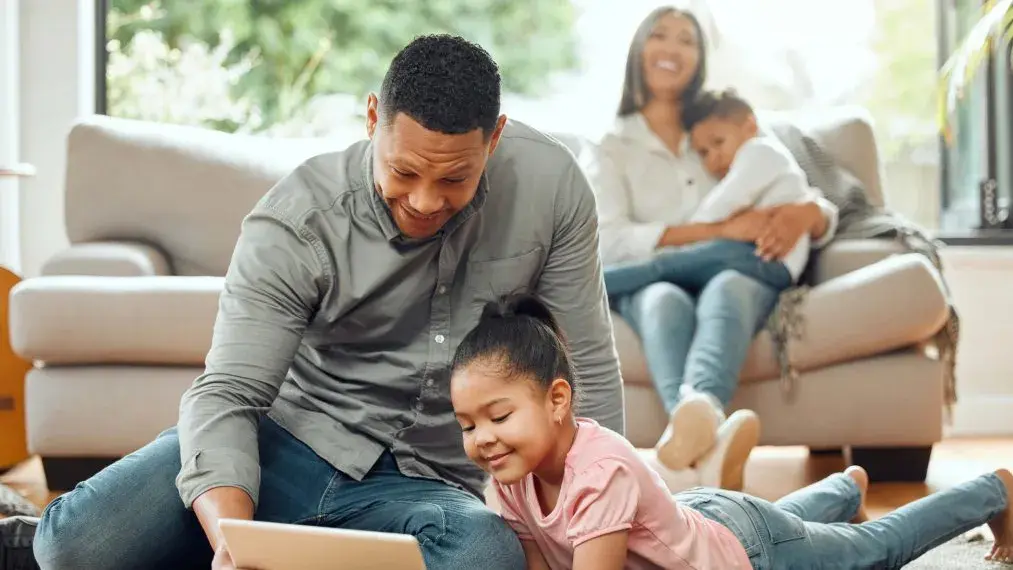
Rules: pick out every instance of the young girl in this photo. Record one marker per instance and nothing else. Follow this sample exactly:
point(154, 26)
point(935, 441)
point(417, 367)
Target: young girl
point(579, 496)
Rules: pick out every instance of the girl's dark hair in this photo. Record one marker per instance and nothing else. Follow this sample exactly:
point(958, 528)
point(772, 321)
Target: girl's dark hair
point(635, 91)
point(520, 334)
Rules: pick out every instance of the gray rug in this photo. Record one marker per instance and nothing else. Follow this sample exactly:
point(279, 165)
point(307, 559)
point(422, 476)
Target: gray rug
point(12, 503)
point(966, 552)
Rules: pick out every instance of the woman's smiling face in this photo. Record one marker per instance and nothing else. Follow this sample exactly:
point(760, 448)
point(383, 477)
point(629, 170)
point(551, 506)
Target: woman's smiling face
point(671, 56)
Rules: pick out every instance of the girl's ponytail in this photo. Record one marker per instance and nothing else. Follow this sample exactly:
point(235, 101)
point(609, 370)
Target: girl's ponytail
point(522, 305)
point(521, 336)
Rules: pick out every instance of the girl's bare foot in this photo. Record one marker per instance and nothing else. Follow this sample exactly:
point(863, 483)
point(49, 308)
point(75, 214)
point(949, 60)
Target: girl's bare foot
point(1002, 524)
point(861, 479)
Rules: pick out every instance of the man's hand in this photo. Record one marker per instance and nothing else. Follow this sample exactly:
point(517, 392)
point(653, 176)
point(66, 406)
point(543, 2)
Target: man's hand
point(221, 503)
point(785, 226)
point(746, 225)
point(222, 559)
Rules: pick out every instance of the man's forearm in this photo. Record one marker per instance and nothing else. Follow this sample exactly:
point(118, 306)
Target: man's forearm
point(689, 233)
point(221, 503)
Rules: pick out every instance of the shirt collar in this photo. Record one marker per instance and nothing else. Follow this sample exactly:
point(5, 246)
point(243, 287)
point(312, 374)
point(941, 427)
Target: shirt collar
point(386, 220)
point(634, 127)
point(380, 208)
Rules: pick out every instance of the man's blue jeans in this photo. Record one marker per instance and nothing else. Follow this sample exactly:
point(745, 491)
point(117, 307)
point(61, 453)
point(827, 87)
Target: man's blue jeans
point(693, 266)
point(700, 341)
point(130, 514)
point(807, 529)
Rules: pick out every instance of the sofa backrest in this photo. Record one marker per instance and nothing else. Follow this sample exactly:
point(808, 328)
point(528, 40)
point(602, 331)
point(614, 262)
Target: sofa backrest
point(845, 132)
point(182, 190)
point(185, 190)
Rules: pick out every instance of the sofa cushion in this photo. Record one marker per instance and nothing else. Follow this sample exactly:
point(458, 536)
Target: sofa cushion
point(891, 399)
point(101, 411)
point(845, 256)
point(891, 304)
point(183, 188)
point(114, 320)
point(109, 258)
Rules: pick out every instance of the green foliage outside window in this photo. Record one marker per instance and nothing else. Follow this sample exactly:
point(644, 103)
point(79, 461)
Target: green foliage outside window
point(252, 65)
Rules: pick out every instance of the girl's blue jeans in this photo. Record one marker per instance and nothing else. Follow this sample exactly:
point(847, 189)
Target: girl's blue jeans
point(807, 529)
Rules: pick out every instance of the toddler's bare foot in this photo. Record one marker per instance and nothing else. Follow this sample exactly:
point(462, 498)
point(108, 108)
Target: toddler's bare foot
point(1002, 524)
point(861, 479)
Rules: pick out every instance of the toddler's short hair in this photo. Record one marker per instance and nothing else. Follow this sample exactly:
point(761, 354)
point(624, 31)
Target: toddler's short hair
point(725, 104)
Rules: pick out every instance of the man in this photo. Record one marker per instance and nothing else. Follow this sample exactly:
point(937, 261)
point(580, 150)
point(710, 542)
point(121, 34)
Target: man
point(325, 398)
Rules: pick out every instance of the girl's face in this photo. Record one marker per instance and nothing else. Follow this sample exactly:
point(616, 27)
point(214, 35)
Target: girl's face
point(509, 424)
point(671, 56)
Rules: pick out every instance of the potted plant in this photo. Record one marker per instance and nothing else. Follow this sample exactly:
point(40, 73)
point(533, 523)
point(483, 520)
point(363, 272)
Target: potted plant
point(995, 24)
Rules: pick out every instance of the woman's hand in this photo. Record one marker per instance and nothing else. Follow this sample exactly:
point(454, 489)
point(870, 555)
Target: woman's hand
point(746, 225)
point(784, 227)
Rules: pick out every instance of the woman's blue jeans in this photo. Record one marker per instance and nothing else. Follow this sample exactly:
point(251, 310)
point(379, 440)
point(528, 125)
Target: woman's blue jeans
point(698, 341)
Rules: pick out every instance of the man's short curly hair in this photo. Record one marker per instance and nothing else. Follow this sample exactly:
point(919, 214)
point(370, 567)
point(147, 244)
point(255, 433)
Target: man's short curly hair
point(725, 104)
point(445, 83)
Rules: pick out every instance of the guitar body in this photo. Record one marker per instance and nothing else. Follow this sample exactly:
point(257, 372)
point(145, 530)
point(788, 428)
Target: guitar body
point(13, 440)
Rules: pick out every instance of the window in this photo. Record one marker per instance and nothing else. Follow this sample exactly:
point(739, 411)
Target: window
point(979, 157)
point(304, 68)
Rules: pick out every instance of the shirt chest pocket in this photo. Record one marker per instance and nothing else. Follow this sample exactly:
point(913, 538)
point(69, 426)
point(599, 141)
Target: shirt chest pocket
point(489, 280)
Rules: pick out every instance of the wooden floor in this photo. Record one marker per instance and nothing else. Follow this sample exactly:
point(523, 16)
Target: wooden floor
point(772, 472)
point(776, 471)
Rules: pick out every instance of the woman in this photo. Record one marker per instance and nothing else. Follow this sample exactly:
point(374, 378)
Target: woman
point(648, 182)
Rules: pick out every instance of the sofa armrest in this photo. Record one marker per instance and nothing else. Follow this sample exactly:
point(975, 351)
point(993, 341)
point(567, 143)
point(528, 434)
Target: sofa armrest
point(114, 320)
point(845, 256)
point(895, 303)
point(846, 132)
point(108, 258)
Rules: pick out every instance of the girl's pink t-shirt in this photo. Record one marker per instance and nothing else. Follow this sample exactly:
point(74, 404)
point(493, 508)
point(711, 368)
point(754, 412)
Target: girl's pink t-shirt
point(607, 488)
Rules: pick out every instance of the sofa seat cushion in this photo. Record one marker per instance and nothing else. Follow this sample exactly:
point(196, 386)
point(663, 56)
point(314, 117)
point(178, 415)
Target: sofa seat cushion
point(114, 320)
point(893, 303)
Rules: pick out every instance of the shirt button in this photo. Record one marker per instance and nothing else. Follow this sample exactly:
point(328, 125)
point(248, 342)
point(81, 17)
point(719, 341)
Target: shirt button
point(442, 289)
point(418, 405)
point(440, 338)
point(430, 382)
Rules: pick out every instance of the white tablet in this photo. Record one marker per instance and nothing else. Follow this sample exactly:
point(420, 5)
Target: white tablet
point(276, 546)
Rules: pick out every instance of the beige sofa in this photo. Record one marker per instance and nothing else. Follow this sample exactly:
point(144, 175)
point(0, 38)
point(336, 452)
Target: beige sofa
point(869, 384)
point(118, 324)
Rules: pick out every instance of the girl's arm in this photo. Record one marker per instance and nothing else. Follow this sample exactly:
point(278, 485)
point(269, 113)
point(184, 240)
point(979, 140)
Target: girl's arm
point(604, 500)
point(534, 556)
point(606, 552)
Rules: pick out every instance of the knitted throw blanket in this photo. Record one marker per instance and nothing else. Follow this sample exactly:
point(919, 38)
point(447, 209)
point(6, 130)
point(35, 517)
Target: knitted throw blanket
point(858, 219)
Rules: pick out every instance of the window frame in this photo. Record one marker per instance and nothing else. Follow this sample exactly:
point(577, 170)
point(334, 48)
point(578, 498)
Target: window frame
point(101, 56)
point(995, 112)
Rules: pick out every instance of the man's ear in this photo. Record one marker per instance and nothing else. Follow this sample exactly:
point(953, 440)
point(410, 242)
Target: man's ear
point(372, 114)
point(494, 139)
point(560, 397)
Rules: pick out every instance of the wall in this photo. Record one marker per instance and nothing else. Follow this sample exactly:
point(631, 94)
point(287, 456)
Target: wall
point(57, 86)
point(981, 280)
point(10, 118)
